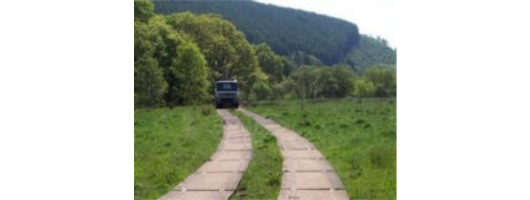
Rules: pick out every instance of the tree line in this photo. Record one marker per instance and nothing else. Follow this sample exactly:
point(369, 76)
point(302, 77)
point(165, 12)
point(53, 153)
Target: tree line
point(178, 58)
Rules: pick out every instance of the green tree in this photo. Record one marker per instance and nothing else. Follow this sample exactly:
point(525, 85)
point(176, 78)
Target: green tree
point(262, 90)
point(334, 82)
point(363, 88)
point(305, 78)
point(165, 40)
point(284, 89)
point(383, 78)
point(225, 48)
point(191, 74)
point(142, 45)
point(149, 83)
point(143, 10)
point(270, 63)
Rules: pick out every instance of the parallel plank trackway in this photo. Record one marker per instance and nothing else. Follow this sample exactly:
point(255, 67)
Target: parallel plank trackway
point(306, 173)
point(219, 177)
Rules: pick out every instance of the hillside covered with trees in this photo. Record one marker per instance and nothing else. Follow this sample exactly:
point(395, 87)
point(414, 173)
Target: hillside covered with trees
point(178, 57)
point(370, 51)
point(285, 30)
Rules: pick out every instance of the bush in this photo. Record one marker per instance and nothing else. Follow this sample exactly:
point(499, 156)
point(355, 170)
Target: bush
point(261, 90)
point(363, 88)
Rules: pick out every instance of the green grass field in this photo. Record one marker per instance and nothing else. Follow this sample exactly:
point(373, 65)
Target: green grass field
point(262, 179)
point(170, 144)
point(357, 136)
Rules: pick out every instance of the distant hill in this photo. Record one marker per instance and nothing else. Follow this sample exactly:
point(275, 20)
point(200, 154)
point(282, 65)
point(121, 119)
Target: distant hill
point(285, 30)
point(305, 37)
point(370, 51)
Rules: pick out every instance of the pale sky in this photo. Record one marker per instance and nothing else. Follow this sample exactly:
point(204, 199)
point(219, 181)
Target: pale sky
point(373, 17)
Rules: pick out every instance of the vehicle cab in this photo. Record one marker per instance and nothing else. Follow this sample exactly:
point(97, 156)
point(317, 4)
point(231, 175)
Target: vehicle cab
point(226, 93)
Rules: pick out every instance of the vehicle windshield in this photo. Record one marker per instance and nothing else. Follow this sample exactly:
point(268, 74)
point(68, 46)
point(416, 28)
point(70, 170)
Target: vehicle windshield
point(226, 87)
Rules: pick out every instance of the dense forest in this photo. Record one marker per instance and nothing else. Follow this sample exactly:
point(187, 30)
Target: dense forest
point(179, 56)
point(285, 30)
point(304, 37)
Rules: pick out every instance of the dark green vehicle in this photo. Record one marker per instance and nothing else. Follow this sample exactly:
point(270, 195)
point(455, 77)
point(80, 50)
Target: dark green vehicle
point(226, 93)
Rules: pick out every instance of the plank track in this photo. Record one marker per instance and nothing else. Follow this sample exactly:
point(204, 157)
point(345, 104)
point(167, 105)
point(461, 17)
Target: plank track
point(306, 172)
point(219, 177)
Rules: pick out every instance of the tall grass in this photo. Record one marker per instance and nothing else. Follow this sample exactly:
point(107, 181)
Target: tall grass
point(170, 144)
point(262, 179)
point(357, 136)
